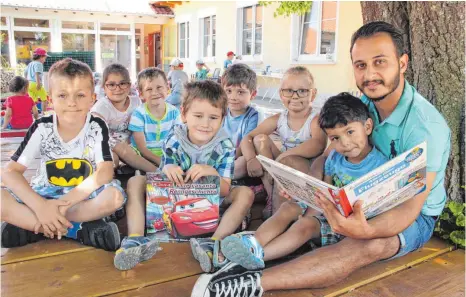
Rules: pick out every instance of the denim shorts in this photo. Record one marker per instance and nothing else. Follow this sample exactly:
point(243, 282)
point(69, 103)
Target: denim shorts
point(411, 239)
point(55, 192)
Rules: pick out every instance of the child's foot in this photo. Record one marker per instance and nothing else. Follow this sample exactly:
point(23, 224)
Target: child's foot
point(243, 249)
point(206, 251)
point(99, 234)
point(134, 250)
point(13, 236)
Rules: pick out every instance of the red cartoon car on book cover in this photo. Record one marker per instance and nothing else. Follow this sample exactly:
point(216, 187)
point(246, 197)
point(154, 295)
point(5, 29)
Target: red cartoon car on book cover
point(191, 217)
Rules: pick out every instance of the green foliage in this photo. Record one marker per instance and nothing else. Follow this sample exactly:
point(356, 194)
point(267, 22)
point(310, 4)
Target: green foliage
point(287, 8)
point(451, 223)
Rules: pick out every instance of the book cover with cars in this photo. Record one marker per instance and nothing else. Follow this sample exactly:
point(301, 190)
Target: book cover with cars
point(177, 213)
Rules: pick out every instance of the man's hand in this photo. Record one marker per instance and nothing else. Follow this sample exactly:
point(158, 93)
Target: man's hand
point(355, 226)
point(174, 173)
point(254, 168)
point(197, 171)
point(51, 219)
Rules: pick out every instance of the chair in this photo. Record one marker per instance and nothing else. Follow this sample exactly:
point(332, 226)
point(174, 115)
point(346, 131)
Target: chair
point(216, 75)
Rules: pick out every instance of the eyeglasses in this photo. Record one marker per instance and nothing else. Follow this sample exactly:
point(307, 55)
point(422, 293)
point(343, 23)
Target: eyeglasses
point(289, 92)
point(122, 86)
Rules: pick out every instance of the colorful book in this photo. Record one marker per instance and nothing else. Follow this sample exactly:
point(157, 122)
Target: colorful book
point(381, 189)
point(177, 213)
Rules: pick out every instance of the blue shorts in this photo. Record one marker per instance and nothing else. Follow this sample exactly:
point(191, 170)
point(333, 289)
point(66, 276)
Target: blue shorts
point(411, 239)
point(55, 192)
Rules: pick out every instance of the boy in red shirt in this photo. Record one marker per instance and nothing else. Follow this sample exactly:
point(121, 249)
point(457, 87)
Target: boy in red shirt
point(19, 106)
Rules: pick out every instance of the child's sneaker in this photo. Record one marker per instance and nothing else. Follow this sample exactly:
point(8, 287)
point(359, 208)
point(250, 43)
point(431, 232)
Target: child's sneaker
point(205, 250)
point(99, 234)
point(243, 249)
point(134, 250)
point(13, 236)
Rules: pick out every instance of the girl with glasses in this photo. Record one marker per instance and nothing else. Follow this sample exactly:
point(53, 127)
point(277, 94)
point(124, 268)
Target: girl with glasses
point(116, 109)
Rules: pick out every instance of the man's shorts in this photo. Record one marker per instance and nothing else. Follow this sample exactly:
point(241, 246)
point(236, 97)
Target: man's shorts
point(55, 192)
point(36, 94)
point(411, 239)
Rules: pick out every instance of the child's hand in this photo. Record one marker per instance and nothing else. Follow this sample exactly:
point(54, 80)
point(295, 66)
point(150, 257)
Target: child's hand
point(51, 219)
point(282, 192)
point(197, 171)
point(174, 173)
point(254, 168)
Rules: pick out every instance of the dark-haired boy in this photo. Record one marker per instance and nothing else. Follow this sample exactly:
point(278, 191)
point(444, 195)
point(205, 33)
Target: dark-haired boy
point(74, 181)
point(346, 121)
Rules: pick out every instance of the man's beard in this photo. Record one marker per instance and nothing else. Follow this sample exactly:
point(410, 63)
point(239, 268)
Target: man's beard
point(392, 87)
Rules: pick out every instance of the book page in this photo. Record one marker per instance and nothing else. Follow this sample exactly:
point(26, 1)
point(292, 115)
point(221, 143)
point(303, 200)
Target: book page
point(298, 185)
point(177, 213)
point(392, 183)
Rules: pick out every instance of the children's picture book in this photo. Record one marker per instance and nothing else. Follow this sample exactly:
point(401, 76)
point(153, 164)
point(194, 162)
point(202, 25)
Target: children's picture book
point(177, 213)
point(381, 189)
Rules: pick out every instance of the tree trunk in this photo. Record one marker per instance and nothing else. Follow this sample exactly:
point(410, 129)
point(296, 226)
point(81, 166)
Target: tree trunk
point(435, 44)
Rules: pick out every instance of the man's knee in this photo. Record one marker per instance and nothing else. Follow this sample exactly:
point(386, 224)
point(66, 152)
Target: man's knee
point(382, 248)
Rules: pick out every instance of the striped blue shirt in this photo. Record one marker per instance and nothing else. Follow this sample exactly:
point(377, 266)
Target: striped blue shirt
point(155, 130)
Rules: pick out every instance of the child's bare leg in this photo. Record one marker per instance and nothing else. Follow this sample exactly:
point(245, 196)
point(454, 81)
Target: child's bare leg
point(18, 214)
point(277, 224)
point(266, 147)
point(136, 204)
point(306, 228)
point(130, 157)
point(240, 168)
point(116, 160)
point(106, 203)
point(241, 199)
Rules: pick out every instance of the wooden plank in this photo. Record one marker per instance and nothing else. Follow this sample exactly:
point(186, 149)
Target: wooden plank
point(91, 273)
point(441, 276)
point(435, 247)
point(42, 249)
point(179, 288)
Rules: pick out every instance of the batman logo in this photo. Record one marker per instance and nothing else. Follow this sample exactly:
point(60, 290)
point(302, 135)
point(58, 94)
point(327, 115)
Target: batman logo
point(68, 172)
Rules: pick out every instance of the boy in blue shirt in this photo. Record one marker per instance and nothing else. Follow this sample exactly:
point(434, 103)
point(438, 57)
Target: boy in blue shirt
point(229, 61)
point(202, 70)
point(239, 83)
point(346, 121)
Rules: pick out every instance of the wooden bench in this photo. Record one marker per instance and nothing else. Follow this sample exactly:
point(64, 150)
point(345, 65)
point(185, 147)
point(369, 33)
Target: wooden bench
point(67, 268)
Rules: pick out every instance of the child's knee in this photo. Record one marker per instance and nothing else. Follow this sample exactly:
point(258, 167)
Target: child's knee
point(243, 195)
point(289, 210)
point(136, 183)
point(115, 198)
point(308, 225)
point(259, 140)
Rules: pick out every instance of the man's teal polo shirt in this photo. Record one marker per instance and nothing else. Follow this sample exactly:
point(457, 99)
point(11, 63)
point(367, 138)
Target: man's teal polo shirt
point(413, 121)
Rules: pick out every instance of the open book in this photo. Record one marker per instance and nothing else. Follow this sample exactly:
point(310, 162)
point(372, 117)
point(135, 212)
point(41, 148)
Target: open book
point(176, 213)
point(381, 189)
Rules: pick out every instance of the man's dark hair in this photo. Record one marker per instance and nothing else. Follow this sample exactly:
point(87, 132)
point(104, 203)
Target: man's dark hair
point(204, 90)
point(342, 109)
point(239, 74)
point(18, 85)
point(370, 29)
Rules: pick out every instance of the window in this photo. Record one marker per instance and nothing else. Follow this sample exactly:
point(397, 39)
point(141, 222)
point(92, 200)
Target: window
point(183, 40)
point(27, 42)
point(116, 49)
point(251, 30)
point(77, 25)
point(208, 32)
point(31, 23)
point(5, 50)
point(78, 36)
point(115, 27)
point(317, 33)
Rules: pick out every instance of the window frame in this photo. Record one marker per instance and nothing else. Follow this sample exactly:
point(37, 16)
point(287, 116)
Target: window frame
point(210, 55)
point(239, 34)
point(297, 24)
point(186, 39)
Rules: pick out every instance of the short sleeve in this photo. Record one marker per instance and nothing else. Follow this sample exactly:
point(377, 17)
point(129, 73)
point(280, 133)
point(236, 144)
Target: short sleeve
point(38, 67)
point(437, 136)
point(29, 149)
point(225, 164)
point(170, 151)
point(136, 124)
point(251, 124)
point(101, 109)
point(102, 151)
point(330, 164)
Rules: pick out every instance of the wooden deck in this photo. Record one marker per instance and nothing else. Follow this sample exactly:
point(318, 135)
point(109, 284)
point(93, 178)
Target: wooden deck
point(66, 268)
